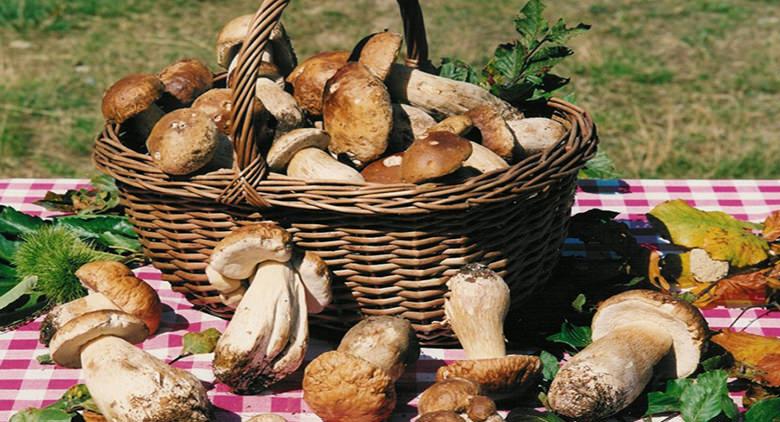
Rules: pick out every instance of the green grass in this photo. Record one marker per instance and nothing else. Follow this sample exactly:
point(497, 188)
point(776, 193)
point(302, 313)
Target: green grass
point(678, 89)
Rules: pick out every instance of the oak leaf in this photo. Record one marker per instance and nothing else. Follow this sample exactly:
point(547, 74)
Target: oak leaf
point(737, 291)
point(771, 230)
point(756, 357)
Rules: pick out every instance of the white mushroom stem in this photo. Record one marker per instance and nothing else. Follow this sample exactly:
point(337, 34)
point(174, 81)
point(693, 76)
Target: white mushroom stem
point(611, 372)
point(143, 122)
point(438, 95)
point(129, 384)
point(280, 104)
point(316, 164)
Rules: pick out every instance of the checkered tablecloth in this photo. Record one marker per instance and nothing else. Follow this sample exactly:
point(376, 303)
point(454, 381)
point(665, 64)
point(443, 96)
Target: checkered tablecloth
point(24, 382)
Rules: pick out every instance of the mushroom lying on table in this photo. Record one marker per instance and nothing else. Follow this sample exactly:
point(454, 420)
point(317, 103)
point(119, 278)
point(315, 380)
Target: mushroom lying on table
point(111, 285)
point(475, 309)
point(267, 417)
point(634, 334)
point(460, 396)
point(127, 383)
point(356, 382)
point(267, 337)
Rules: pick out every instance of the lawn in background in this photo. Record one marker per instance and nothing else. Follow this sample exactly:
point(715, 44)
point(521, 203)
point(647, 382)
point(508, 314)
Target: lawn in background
point(678, 89)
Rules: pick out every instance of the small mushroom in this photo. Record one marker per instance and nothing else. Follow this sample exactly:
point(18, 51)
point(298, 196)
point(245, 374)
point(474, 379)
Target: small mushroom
point(458, 125)
point(436, 155)
point(357, 114)
point(127, 383)
point(495, 132)
point(308, 79)
point(284, 56)
point(112, 286)
point(183, 141)
point(287, 145)
point(384, 170)
point(280, 104)
point(314, 274)
point(535, 134)
point(185, 81)
point(131, 102)
point(409, 123)
point(378, 52)
point(452, 394)
point(316, 164)
point(339, 386)
point(387, 342)
point(476, 290)
point(635, 333)
point(483, 159)
point(267, 417)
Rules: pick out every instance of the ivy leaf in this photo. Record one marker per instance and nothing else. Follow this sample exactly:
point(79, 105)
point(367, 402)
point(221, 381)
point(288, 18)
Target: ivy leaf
point(17, 223)
point(757, 357)
point(572, 335)
point(578, 302)
point(550, 365)
point(45, 359)
point(721, 235)
point(764, 411)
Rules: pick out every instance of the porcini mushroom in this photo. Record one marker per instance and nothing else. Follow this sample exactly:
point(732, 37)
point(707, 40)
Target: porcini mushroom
point(475, 310)
point(230, 39)
point(314, 274)
point(634, 334)
point(267, 417)
point(316, 164)
point(112, 286)
point(378, 52)
point(494, 132)
point(339, 386)
point(483, 159)
point(457, 125)
point(280, 104)
point(308, 79)
point(218, 105)
point(535, 134)
point(184, 81)
point(183, 141)
point(384, 170)
point(267, 337)
point(127, 383)
point(436, 155)
point(357, 114)
point(409, 123)
point(460, 396)
point(131, 102)
point(287, 145)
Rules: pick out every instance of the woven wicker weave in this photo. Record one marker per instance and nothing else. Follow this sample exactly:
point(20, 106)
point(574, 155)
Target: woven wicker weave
point(391, 247)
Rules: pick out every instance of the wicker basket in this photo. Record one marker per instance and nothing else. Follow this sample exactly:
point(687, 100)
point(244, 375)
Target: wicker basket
point(391, 247)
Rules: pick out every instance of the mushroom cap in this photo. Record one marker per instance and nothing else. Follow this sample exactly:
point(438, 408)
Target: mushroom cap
point(441, 416)
point(308, 79)
point(680, 319)
point(341, 387)
point(357, 114)
point(436, 155)
point(131, 96)
point(386, 342)
point(231, 37)
point(186, 79)
point(129, 293)
point(481, 408)
point(409, 123)
point(453, 394)
point(535, 134)
point(183, 141)
point(267, 417)
point(384, 170)
point(286, 146)
point(509, 373)
point(495, 133)
point(316, 164)
point(217, 103)
point(66, 345)
point(378, 52)
point(237, 255)
point(221, 283)
point(315, 276)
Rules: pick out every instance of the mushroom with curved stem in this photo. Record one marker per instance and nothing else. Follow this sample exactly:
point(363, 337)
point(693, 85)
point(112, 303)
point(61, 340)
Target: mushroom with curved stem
point(635, 334)
point(184, 81)
point(112, 286)
point(495, 133)
point(314, 274)
point(308, 79)
point(183, 141)
point(378, 52)
point(340, 386)
point(127, 383)
point(536, 134)
point(483, 159)
point(130, 102)
point(458, 124)
point(475, 310)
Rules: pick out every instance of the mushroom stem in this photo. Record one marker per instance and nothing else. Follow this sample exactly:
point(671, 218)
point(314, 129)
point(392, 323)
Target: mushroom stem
point(610, 373)
point(64, 313)
point(120, 376)
point(143, 123)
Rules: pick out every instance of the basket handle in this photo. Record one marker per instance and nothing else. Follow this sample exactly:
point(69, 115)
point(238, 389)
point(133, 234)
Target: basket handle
point(250, 165)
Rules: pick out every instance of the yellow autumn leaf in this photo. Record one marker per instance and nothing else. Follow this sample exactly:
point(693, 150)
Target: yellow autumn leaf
point(723, 237)
point(760, 353)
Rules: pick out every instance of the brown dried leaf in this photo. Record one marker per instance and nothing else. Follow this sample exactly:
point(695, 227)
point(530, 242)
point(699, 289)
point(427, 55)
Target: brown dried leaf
point(757, 357)
point(771, 230)
point(737, 291)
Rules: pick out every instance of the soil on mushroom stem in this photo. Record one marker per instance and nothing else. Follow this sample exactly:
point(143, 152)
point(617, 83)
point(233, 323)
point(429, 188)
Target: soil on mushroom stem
point(678, 89)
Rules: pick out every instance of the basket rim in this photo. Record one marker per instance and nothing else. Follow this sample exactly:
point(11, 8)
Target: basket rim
point(524, 178)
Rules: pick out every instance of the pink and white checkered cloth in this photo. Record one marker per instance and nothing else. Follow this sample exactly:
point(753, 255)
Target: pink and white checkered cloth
point(25, 383)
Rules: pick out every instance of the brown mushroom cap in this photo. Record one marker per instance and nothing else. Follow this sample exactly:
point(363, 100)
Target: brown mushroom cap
point(183, 141)
point(409, 123)
point(231, 37)
point(308, 79)
point(378, 52)
point(72, 337)
point(386, 342)
point(357, 114)
point(129, 293)
point(217, 103)
point(437, 155)
point(441, 416)
point(131, 96)
point(452, 394)
point(510, 373)
point(679, 318)
point(384, 170)
point(495, 133)
point(342, 387)
point(185, 80)
point(481, 408)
